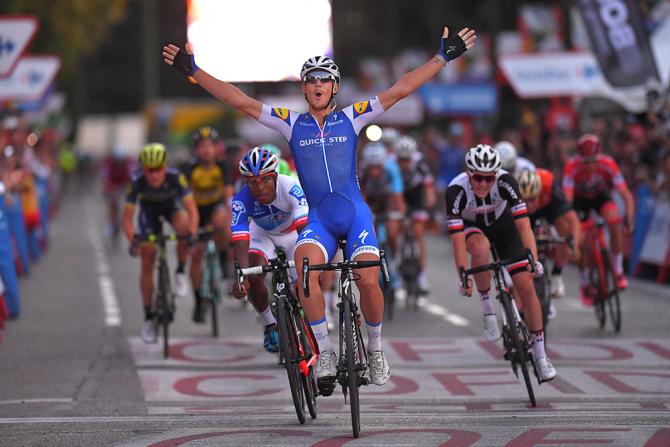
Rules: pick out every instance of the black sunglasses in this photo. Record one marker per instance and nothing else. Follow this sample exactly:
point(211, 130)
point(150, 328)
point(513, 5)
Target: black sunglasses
point(483, 178)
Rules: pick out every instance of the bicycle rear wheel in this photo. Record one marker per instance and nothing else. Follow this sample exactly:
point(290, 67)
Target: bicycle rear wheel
point(599, 285)
point(612, 301)
point(351, 348)
point(289, 344)
point(519, 344)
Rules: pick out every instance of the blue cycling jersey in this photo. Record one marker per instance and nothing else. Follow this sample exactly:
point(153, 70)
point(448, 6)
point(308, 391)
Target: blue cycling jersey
point(325, 159)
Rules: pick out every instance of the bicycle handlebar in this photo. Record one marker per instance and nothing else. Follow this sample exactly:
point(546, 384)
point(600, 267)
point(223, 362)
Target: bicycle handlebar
point(544, 241)
point(240, 273)
point(464, 274)
point(344, 265)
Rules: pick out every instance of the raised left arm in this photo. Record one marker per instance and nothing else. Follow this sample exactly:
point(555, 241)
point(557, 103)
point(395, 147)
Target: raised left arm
point(450, 49)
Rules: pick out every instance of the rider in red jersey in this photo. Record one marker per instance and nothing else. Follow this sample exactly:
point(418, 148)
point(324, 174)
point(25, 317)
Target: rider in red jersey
point(588, 180)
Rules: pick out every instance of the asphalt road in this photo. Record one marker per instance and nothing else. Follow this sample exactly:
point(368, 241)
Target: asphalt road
point(73, 371)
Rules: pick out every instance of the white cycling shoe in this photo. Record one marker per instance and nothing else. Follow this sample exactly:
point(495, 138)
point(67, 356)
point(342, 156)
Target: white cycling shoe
point(180, 285)
point(491, 330)
point(326, 367)
point(556, 288)
point(545, 370)
point(379, 367)
point(148, 332)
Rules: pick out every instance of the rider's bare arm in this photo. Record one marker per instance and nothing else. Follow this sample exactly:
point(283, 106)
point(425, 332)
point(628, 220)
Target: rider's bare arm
point(526, 233)
point(128, 225)
point(192, 211)
point(416, 78)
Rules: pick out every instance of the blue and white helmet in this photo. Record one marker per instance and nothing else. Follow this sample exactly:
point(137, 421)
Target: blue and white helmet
point(375, 154)
point(320, 63)
point(258, 161)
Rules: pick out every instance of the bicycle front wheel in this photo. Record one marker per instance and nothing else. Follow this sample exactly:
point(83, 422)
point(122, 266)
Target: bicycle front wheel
point(612, 300)
point(519, 343)
point(288, 341)
point(163, 307)
point(308, 344)
point(351, 348)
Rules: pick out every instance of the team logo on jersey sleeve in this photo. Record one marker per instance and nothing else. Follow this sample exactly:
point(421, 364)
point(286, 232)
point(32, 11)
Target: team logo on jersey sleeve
point(282, 114)
point(361, 108)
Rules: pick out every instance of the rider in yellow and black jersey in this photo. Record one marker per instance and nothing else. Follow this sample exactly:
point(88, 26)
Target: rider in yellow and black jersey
point(211, 182)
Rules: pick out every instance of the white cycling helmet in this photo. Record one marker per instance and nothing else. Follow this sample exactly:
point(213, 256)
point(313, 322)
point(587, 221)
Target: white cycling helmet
point(320, 63)
point(374, 154)
point(507, 153)
point(405, 147)
point(389, 136)
point(482, 158)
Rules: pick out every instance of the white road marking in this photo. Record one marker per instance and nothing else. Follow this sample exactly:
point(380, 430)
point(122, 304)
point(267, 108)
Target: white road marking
point(55, 400)
point(109, 301)
point(443, 312)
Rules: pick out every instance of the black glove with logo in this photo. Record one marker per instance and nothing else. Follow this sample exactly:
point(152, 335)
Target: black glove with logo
point(451, 47)
point(185, 63)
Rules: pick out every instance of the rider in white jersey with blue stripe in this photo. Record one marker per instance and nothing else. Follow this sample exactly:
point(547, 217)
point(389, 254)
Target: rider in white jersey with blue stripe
point(323, 144)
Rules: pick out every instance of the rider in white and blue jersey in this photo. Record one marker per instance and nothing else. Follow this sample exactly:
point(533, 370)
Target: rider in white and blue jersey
point(323, 144)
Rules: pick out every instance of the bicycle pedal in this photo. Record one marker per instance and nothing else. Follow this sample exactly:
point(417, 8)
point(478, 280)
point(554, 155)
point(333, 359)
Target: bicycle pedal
point(326, 387)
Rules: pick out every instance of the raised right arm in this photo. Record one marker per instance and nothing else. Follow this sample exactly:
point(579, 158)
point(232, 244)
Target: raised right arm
point(183, 61)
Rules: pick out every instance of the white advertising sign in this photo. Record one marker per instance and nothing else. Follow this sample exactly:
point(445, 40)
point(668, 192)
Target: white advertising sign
point(16, 32)
point(657, 239)
point(564, 73)
point(30, 79)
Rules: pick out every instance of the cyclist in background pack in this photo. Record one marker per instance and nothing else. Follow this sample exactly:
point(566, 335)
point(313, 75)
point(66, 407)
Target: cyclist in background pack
point(323, 144)
point(161, 192)
point(484, 207)
point(211, 183)
point(511, 161)
point(419, 195)
point(545, 200)
point(277, 208)
point(589, 178)
point(116, 173)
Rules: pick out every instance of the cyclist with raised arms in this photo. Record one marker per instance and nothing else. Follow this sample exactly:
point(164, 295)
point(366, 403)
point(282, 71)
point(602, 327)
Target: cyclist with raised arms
point(211, 182)
point(419, 195)
point(323, 144)
point(161, 192)
point(588, 180)
point(484, 207)
point(277, 207)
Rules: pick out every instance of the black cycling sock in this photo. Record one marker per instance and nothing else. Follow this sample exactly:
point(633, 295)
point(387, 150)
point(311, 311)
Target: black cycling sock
point(148, 313)
point(197, 295)
point(180, 267)
point(557, 270)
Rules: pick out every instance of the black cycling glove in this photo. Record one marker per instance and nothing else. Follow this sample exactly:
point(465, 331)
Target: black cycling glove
point(185, 63)
point(451, 47)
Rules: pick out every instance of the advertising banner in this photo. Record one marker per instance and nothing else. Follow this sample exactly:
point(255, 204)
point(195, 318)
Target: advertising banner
point(460, 99)
point(619, 40)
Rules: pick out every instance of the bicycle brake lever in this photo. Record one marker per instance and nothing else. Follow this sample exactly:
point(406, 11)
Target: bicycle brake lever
point(239, 276)
point(305, 276)
point(385, 269)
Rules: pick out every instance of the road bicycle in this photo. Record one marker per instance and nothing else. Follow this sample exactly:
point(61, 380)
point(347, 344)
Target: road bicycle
point(515, 335)
point(210, 289)
point(546, 242)
point(410, 266)
point(352, 363)
point(602, 289)
point(163, 301)
point(388, 290)
point(297, 346)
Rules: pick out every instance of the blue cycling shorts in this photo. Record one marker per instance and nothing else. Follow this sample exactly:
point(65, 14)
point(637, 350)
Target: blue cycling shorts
point(338, 217)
